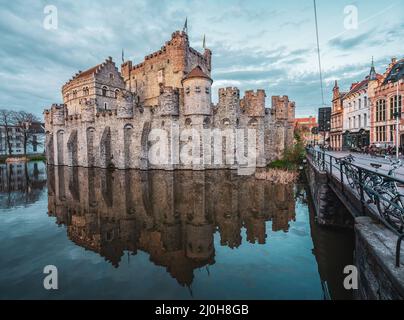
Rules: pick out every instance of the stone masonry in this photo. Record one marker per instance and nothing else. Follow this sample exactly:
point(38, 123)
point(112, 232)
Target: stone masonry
point(108, 116)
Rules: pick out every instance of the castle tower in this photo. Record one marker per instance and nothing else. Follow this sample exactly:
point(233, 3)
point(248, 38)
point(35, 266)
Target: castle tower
point(228, 111)
point(197, 111)
point(197, 93)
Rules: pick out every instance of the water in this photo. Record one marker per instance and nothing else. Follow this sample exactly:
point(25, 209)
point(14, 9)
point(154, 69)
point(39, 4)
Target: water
point(163, 235)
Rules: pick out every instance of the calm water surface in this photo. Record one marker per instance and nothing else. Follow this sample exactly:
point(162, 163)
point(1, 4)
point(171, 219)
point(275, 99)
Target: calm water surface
point(163, 235)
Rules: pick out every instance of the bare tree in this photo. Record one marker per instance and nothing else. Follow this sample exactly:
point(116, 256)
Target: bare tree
point(7, 122)
point(24, 121)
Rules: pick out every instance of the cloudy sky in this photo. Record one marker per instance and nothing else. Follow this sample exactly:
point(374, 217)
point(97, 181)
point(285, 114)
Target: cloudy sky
point(256, 43)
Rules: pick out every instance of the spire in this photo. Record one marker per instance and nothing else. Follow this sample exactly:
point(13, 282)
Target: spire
point(336, 84)
point(123, 56)
point(204, 42)
point(185, 29)
point(372, 73)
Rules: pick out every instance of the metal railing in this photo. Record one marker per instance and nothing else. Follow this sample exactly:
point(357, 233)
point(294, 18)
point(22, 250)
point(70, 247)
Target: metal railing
point(381, 195)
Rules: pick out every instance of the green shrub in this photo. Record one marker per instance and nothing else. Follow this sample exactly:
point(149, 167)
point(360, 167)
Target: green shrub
point(292, 157)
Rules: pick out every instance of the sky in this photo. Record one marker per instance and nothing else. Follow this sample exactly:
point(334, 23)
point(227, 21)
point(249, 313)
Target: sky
point(256, 44)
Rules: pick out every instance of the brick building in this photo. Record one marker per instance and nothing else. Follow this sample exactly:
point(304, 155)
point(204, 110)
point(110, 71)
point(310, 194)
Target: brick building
point(386, 104)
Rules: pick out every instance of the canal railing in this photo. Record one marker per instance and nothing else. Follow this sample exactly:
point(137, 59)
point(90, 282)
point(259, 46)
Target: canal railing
point(381, 195)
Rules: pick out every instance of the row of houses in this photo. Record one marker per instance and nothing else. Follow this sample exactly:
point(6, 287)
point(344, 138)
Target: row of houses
point(367, 113)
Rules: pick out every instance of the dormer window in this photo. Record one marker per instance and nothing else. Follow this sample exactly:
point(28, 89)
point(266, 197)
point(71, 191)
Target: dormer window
point(198, 89)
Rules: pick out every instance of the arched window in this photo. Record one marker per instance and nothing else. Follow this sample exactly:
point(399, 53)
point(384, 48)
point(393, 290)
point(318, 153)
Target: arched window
point(226, 121)
point(188, 121)
point(206, 122)
point(74, 94)
point(116, 92)
point(86, 91)
point(104, 91)
point(253, 122)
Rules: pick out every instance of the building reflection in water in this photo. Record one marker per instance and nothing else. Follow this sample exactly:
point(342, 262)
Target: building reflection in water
point(21, 183)
point(170, 215)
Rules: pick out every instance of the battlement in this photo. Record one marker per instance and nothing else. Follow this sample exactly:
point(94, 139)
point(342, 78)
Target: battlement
point(283, 108)
point(58, 112)
point(178, 39)
point(253, 103)
point(229, 91)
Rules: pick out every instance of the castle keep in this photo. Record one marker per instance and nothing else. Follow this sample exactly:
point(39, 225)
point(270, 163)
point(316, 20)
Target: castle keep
point(108, 117)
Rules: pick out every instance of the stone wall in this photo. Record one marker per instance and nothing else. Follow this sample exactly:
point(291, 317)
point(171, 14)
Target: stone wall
point(379, 278)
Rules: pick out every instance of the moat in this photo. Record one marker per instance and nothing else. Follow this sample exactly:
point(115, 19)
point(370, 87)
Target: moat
point(164, 235)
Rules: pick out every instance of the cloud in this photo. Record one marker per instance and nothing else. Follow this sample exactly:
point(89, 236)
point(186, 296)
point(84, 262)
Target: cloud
point(259, 44)
point(345, 43)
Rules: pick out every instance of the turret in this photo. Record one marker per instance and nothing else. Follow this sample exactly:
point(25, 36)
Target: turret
point(199, 241)
point(58, 114)
point(254, 103)
point(88, 110)
point(178, 47)
point(197, 92)
point(168, 101)
point(124, 104)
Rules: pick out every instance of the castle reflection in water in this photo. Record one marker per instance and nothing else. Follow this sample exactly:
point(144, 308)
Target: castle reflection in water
point(170, 215)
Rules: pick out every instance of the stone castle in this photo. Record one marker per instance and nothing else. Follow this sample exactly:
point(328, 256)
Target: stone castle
point(107, 116)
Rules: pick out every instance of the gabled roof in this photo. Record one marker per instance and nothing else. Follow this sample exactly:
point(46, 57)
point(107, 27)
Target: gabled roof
point(88, 72)
point(196, 72)
point(362, 84)
point(396, 72)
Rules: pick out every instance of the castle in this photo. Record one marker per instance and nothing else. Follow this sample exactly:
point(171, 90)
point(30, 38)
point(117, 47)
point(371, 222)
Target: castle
point(108, 118)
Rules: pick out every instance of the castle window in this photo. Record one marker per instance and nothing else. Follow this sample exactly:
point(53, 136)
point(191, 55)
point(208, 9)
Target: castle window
point(67, 96)
point(74, 94)
point(86, 92)
point(188, 122)
point(104, 91)
point(116, 93)
point(207, 90)
point(187, 90)
point(226, 121)
point(105, 106)
point(197, 89)
point(206, 123)
point(111, 76)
